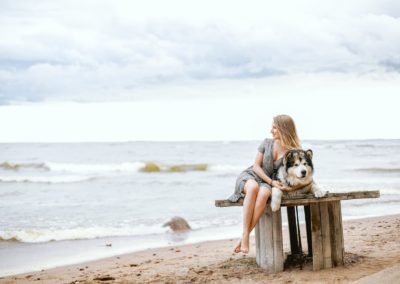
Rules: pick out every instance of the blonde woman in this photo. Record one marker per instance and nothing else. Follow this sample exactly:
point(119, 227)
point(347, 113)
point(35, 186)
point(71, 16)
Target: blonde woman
point(255, 183)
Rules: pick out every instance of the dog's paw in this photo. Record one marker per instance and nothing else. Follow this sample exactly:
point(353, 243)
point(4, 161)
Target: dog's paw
point(276, 197)
point(319, 193)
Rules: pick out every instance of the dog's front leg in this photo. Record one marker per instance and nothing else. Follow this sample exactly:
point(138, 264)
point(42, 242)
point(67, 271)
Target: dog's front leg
point(276, 198)
point(317, 191)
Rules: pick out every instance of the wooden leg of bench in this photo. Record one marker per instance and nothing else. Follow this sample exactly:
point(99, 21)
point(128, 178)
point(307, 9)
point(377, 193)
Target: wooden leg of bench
point(278, 241)
point(269, 245)
point(318, 260)
point(336, 232)
point(307, 215)
point(326, 236)
point(294, 243)
point(257, 238)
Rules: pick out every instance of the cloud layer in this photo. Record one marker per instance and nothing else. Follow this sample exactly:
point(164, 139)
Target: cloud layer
point(99, 51)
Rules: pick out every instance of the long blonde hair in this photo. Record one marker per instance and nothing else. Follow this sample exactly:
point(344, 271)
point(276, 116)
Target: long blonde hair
point(287, 129)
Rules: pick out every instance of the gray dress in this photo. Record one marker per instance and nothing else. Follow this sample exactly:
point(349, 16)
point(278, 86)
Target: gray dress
point(266, 148)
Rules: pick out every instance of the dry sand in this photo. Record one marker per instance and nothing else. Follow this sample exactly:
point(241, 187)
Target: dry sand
point(372, 255)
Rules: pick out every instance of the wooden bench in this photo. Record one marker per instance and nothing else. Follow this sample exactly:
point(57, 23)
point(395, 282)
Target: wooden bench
point(323, 225)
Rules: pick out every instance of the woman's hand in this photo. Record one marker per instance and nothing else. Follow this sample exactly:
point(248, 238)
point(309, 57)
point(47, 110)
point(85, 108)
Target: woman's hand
point(277, 184)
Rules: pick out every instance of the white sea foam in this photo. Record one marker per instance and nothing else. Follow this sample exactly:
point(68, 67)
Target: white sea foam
point(226, 168)
point(45, 179)
point(47, 235)
point(95, 168)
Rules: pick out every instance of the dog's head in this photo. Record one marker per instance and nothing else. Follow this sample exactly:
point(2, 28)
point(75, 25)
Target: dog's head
point(298, 163)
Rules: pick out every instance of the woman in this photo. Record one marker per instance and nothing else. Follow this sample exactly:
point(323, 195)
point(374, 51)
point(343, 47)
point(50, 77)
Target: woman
point(255, 183)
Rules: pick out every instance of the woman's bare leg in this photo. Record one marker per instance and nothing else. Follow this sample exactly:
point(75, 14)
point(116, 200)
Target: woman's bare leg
point(259, 207)
point(251, 189)
point(261, 203)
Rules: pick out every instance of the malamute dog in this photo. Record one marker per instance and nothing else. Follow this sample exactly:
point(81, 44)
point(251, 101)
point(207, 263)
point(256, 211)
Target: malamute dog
point(296, 169)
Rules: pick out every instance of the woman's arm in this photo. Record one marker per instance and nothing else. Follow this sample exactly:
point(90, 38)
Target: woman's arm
point(260, 172)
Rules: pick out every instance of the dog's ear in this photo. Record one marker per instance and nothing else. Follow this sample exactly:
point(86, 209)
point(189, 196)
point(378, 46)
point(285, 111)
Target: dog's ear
point(288, 155)
point(309, 154)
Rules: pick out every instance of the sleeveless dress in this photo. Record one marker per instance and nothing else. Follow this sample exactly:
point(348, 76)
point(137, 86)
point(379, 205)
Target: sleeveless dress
point(268, 165)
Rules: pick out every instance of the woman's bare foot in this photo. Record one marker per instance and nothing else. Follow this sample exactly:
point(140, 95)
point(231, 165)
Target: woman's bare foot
point(245, 244)
point(237, 248)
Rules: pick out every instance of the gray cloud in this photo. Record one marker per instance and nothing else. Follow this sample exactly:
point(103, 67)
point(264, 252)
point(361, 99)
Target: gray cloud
point(62, 51)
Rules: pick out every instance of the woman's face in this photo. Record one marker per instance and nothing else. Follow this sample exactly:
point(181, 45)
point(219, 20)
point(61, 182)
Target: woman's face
point(275, 132)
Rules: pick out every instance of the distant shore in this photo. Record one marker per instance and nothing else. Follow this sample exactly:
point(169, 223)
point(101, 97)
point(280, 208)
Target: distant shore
point(371, 245)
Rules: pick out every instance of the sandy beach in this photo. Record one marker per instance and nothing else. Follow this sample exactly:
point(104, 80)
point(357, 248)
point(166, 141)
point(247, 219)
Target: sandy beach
point(372, 254)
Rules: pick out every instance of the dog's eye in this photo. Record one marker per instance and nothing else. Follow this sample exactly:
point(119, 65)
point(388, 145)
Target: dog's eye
point(305, 164)
point(296, 164)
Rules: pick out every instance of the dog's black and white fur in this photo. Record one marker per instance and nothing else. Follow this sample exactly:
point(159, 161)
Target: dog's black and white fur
point(297, 169)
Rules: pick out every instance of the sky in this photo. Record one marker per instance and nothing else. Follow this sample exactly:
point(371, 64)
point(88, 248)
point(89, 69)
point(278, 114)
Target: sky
point(77, 71)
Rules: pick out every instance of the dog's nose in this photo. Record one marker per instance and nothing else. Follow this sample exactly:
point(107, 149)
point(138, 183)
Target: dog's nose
point(303, 173)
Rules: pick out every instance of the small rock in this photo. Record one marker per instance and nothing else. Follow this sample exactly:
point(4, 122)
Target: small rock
point(104, 278)
point(133, 264)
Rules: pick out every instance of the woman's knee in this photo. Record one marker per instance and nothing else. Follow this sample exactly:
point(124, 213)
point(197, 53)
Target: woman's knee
point(251, 187)
point(264, 193)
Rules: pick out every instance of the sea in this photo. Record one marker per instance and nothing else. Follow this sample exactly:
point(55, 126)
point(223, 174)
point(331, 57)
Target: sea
point(65, 203)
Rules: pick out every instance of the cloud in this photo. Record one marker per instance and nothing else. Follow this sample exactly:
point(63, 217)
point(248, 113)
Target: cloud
point(67, 50)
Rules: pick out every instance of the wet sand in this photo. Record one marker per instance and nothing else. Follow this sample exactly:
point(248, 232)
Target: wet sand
point(372, 248)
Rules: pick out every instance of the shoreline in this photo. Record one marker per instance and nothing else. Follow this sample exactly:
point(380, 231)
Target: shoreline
point(73, 252)
point(371, 245)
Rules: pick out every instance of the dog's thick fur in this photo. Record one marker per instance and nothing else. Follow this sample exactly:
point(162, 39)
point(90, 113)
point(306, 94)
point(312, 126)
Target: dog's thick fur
point(297, 169)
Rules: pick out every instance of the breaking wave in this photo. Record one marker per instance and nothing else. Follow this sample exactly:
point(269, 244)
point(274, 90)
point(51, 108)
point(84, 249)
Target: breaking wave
point(95, 168)
point(45, 179)
point(379, 170)
point(126, 167)
point(48, 235)
point(19, 166)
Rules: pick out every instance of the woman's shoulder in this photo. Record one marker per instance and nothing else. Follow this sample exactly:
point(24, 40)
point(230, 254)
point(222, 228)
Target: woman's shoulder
point(265, 144)
point(267, 141)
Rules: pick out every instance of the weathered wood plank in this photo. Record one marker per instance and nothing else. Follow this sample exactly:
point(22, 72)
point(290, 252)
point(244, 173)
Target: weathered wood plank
point(294, 243)
point(265, 242)
point(278, 241)
point(269, 241)
point(258, 239)
point(318, 259)
point(336, 231)
point(307, 215)
point(310, 199)
point(326, 236)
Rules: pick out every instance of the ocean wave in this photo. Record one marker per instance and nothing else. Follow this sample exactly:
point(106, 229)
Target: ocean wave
point(79, 233)
point(18, 166)
point(379, 170)
point(37, 235)
point(125, 167)
point(95, 168)
point(177, 168)
point(45, 179)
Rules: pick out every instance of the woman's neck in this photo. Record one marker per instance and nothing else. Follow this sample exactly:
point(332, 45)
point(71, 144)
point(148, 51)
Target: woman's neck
point(280, 145)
